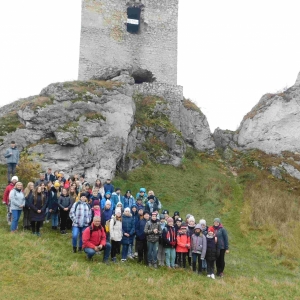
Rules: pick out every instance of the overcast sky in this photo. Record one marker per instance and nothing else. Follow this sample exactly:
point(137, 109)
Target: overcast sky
point(230, 52)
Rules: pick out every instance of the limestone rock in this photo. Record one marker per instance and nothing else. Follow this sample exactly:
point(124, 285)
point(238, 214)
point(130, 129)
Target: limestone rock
point(292, 171)
point(224, 139)
point(275, 172)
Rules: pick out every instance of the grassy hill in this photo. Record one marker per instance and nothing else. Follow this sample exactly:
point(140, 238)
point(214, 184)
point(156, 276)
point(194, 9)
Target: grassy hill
point(260, 213)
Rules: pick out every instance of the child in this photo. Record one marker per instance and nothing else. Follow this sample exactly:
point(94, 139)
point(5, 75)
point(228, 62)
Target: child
point(95, 196)
point(190, 232)
point(141, 240)
point(183, 246)
point(135, 217)
point(116, 233)
point(204, 228)
point(161, 249)
point(198, 247)
point(65, 204)
point(96, 211)
point(139, 203)
point(166, 213)
point(212, 251)
point(169, 243)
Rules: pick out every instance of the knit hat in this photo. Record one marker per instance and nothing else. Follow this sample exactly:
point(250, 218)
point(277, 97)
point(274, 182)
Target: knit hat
point(150, 197)
point(217, 220)
point(211, 228)
point(165, 211)
point(187, 216)
point(118, 210)
point(202, 221)
point(15, 178)
point(107, 193)
point(179, 219)
point(176, 213)
point(81, 194)
point(107, 202)
point(162, 216)
point(170, 220)
point(127, 209)
point(96, 202)
point(143, 190)
point(119, 203)
point(198, 226)
point(154, 213)
point(191, 218)
point(57, 184)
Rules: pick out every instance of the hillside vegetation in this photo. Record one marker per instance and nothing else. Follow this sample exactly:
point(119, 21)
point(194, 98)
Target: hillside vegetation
point(260, 213)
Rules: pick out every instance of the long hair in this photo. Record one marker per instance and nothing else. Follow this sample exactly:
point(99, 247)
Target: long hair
point(98, 185)
point(36, 196)
point(27, 190)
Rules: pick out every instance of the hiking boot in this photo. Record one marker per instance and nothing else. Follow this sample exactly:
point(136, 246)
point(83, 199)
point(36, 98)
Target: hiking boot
point(114, 259)
point(149, 264)
point(79, 249)
point(74, 249)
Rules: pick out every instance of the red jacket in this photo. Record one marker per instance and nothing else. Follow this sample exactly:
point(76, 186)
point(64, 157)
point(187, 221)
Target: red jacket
point(93, 238)
point(182, 241)
point(7, 191)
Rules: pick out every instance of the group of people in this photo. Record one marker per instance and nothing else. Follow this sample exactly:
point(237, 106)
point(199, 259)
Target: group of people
point(102, 219)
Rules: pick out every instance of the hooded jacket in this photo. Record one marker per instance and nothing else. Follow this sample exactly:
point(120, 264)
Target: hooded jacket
point(16, 199)
point(127, 227)
point(221, 234)
point(115, 230)
point(94, 237)
point(14, 157)
point(149, 231)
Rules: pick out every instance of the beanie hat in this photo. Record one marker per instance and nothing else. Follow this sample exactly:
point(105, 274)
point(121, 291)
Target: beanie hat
point(119, 203)
point(107, 193)
point(211, 228)
point(154, 213)
point(162, 216)
point(217, 220)
point(202, 221)
point(176, 213)
point(57, 184)
point(96, 202)
point(127, 209)
point(81, 194)
point(191, 218)
point(198, 226)
point(150, 197)
point(170, 220)
point(143, 190)
point(15, 178)
point(179, 219)
point(118, 210)
point(107, 202)
point(165, 211)
point(187, 216)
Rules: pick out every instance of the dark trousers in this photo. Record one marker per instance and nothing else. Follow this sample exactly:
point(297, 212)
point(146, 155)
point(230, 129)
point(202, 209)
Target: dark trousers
point(197, 257)
point(11, 171)
point(35, 226)
point(142, 250)
point(220, 262)
point(181, 259)
point(210, 267)
point(115, 248)
point(63, 219)
point(26, 218)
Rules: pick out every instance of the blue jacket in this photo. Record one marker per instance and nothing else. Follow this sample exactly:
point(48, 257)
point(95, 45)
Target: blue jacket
point(115, 199)
point(135, 215)
point(105, 216)
point(102, 203)
point(139, 228)
point(108, 188)
point(128, 202)
point(12, 155)
point(221, 234)
point(127, 227)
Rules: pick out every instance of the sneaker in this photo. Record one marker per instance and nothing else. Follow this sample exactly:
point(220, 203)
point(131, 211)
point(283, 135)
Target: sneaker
point(135, 254)
point(209, 275)
point(212, 276)
point(47, 221)
point(155, 265)
point(114, 259)
point(130, 256)
point(149, 264)
point(123, 260)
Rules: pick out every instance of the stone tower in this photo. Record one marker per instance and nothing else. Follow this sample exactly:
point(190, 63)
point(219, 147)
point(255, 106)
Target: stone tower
point(138, 33)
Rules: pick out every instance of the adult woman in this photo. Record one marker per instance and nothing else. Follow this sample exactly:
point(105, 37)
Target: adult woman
point(17, 202)
point(222, 241)
point(99, 185)
point(28, 193)
point(37, 210)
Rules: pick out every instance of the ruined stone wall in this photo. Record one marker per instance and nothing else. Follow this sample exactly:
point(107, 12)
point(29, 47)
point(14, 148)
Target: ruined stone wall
point(105, 41)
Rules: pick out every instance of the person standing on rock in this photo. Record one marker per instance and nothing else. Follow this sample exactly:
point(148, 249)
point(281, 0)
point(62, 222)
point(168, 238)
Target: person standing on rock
point(12, 156)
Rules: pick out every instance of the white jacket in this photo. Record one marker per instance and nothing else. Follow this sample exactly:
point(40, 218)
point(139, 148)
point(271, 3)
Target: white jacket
point(115, 229)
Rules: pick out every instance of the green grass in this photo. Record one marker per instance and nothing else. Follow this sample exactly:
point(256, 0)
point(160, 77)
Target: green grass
point(46, 268)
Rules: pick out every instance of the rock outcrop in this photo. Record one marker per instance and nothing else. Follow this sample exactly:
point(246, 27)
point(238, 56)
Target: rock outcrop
point(96, 127)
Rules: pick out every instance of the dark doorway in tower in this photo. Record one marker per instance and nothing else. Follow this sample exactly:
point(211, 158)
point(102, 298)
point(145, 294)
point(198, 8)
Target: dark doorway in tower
point(133, 19)
point(142, 75)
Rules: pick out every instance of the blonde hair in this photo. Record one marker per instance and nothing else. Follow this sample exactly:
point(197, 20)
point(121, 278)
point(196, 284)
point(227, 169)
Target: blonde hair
point(27, 189)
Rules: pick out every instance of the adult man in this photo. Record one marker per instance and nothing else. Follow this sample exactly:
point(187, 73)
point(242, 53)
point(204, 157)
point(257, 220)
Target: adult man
point(80, 214)
point(94, 240)
point(10, 186)
point(41, 180)
point(108, 186)
point(49, 176)
point(12, 156)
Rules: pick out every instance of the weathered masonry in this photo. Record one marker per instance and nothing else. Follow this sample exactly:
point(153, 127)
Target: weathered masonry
point(139, 33)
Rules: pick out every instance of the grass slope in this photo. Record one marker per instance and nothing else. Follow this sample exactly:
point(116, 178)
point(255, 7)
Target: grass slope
point(46, 268)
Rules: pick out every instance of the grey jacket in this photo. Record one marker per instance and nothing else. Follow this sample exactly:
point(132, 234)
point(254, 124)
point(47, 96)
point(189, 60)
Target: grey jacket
point(12, 155)
point(151, 236)
point(16, 199)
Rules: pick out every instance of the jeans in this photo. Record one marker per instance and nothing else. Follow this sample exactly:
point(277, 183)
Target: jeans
point(75, 232)
point(204, 264)
point(195, 257)
point(11, 170)
point(54, 219)
point(125, 251)
point(152, 252)
point(91, 252)
point(170, 257)
point(15, 219)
